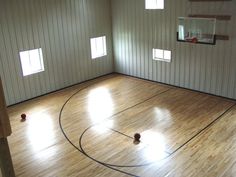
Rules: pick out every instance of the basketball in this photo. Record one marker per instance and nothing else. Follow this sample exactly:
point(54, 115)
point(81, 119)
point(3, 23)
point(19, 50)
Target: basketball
point(23, 116)
point(137, 137)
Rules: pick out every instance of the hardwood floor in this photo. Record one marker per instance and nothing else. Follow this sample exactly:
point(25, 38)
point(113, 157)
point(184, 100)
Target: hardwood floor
point(87, 130)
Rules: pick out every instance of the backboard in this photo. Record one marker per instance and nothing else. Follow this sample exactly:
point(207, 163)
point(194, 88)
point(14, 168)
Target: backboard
point(196, 30)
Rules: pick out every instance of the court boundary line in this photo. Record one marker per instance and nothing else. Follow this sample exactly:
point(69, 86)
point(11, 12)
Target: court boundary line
point(114, 73)
point(62, 130)
point(112, 167)
point(174, 86)
point(169, 154)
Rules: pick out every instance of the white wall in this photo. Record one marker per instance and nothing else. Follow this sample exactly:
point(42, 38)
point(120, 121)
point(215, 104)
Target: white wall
point(205, 68)
point(62, 28)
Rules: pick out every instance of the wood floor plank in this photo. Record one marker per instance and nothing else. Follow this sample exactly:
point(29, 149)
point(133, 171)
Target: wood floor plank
point(211, 154)
point(113, 108)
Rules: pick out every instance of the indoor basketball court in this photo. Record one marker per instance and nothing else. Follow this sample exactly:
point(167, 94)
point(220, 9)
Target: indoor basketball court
point(117, 88)
point(91, 127)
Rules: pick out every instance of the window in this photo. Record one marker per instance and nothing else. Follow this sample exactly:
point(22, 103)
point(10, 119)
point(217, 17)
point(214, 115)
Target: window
point(31, 61)
point(154, 4)
point(161, 55)
point(98, 47)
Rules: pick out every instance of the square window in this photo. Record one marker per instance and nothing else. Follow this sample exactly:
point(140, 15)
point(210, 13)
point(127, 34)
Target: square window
point(154, 4)
point(161, 55)
point(98, 47)
point(31, 61)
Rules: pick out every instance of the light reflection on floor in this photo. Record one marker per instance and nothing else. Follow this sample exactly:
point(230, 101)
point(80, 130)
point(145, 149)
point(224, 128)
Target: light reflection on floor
point(103, 127)
point(40, 134)
point(156, 146)
point(100, 104)
point(100, 107)
point(162, 114)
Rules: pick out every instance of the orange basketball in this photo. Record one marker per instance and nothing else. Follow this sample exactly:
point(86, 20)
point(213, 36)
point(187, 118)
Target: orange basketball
point(137, 137)
point(23, 116)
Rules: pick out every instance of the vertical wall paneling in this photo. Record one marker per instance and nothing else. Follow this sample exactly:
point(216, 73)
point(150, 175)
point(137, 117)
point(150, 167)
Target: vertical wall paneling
point(207, 68)
point(62, 28)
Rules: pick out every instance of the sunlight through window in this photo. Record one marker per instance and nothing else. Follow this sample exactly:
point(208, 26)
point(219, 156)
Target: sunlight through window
point(98, 47)
point(154, 4)
point(100, 105)
point(156, 146)
point(40, 131)
point(161, 55)
point(31, 61)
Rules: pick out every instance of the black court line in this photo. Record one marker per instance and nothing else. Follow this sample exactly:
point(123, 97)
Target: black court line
point(205, 128)
point(112, 166)
point(131, 137)
point(104, 119)
point(174, 86)
point(169, 154)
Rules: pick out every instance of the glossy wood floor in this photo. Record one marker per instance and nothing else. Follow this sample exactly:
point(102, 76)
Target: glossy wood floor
point(87, 130)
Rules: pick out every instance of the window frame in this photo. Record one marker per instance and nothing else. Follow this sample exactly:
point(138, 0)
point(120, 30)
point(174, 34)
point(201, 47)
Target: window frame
point(94, 49)
point(166, 55)
point(27, 66)
point(150, 3)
